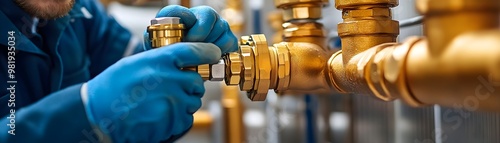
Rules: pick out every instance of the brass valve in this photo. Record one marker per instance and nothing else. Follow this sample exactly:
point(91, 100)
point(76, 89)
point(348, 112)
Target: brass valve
point(168, 30)
point(257, 67)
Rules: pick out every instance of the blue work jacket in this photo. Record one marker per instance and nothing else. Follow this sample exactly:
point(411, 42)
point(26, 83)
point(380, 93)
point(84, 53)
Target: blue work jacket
point(43, 64)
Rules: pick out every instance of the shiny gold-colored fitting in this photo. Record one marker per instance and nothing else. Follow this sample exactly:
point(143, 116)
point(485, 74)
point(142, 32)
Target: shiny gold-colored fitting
point(289, 3)
point(369, 27)
point(233, 68)
point(248, 72)
point(349, 4)
point(262, 68)
point(283, 62)
point(311, 32)
point(203, 70)
point(165, 31)
point(366, 13)
point(301, 9)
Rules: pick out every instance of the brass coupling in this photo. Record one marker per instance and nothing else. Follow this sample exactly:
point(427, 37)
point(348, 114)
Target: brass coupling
point(164, 31)
point(262, 67)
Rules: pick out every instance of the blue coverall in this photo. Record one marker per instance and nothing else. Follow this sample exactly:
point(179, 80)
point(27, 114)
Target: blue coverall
point(52, 60)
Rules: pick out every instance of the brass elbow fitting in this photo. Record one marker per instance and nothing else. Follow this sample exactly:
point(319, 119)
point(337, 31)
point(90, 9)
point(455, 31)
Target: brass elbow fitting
point(457, 65)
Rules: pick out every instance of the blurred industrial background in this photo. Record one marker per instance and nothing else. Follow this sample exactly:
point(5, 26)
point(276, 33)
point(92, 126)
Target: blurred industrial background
point(315, 118)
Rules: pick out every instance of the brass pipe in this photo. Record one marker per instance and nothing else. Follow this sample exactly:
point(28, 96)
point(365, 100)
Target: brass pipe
point(457, 65)
point(202, 120)
point(164, 31)
point(463, 48)
point(233, 115)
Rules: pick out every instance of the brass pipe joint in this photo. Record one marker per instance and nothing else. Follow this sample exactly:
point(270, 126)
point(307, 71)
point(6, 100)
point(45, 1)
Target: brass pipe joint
point(367, 23)
point(168, 30)
point(285, 66)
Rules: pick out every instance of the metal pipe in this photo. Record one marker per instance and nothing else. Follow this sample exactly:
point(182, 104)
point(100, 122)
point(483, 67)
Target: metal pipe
point(457, 65)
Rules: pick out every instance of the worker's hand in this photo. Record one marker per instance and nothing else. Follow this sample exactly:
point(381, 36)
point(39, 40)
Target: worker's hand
point(146, 97)
point(202, 24)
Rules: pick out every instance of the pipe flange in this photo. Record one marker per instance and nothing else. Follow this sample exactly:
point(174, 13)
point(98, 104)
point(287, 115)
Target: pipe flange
point(233, 68)
point(262, 68)
point(248, 72)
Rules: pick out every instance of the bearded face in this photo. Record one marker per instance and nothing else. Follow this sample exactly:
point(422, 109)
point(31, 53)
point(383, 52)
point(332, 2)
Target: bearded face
point(46, 9)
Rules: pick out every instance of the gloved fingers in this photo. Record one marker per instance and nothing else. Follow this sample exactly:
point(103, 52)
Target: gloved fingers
point(193, 103)
point(218, 30)
point(176, 137)
point(206, 18)
point(188, 54)
point(182, 124)
point(192, 83)
point(187, 17)
point(206, 31)
point(227, 42)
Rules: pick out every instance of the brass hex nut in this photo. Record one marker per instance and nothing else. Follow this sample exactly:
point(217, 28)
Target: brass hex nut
point(372, 12)
point(248, 72)
point(217, 71)
point(343, 4)
point(283, 60)
point(313, 12)
point(234, 68)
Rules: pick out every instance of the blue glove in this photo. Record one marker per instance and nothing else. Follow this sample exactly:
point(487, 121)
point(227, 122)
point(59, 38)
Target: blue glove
point(202, 24)
point(146, 97)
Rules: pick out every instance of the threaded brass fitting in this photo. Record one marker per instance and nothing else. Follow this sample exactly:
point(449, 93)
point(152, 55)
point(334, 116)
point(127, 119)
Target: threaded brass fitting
point(164, 31)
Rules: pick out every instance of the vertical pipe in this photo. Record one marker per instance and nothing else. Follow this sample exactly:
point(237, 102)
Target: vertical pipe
point(233, 115)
